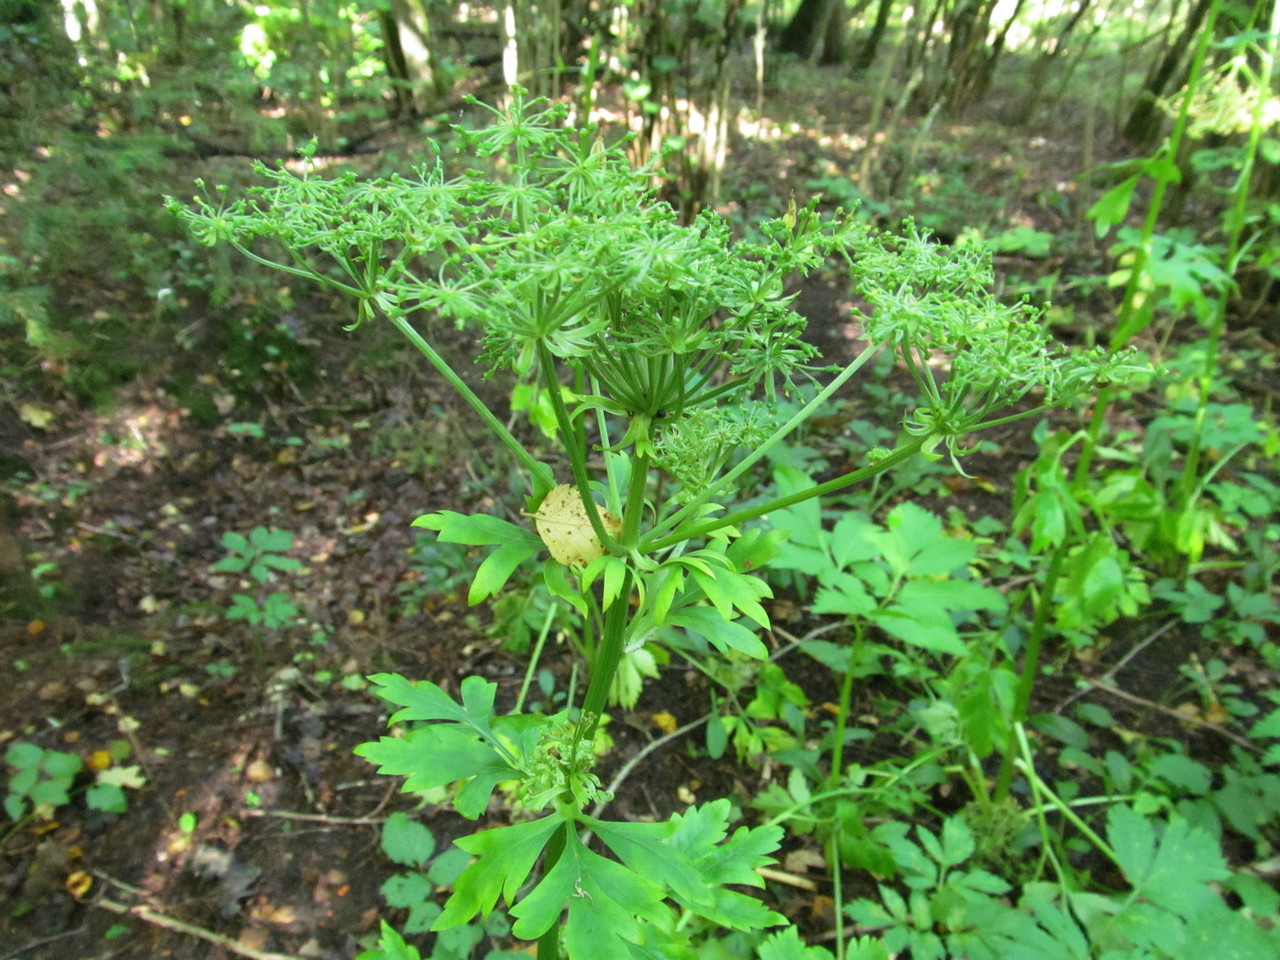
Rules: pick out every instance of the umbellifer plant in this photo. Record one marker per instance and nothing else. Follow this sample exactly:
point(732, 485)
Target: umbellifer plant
point(663, 346)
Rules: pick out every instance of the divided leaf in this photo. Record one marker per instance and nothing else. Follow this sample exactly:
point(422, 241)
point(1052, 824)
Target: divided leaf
point(515, 545)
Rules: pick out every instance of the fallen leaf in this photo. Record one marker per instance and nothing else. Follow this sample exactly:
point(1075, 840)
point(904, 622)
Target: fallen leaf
point(563, 525)
point(78, 884)
point(124, 777)
point(259, 772)
point(36, 416)
point(665, 722)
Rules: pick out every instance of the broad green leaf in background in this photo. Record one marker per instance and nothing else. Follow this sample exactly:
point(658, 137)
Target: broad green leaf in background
point(1113, 206)
point(406, 841)
point(1173, 872)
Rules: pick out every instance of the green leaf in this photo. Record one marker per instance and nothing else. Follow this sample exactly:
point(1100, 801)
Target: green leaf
point(506, 855)
point(515, 545)
point(391, 946)
point(61, 766)
point(640, 846)
point(412, 892)
point(426, 701)
point(270, 541)
point(553, 574)
point(447, 867)
point(438, 755)
point(606, 903)
point(843, 594)
point(51, 792)
point(106, 797)
point(406, 841)
point(729, 591)
point(237, 543)
point(927, 627)
point(957, 842)
point(1181, 771)
point(1113, 206)
point(717, 736)
point(24, 755)
point(1175, 873)
point(277, 562)
point(722, 634)
point(787, 945)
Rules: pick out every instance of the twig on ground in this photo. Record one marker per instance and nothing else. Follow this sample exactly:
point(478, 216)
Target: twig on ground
point(47, 940)
point(166, 922)
point(1110, 675)
point(316, 817)
point(1177, 715)
point(781, 876)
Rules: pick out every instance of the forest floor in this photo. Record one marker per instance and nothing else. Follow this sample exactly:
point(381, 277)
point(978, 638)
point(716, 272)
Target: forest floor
point(253, 735)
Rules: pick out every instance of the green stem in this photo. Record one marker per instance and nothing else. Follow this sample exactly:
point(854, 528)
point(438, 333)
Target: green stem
point(905, 452)
point(1042, 792)
point(690, 509)
point(846, 695)
point(608, 656)
point(576, 451)
point(537, 655)
point(540, 475)
point(1030, 670)
point(549, 942)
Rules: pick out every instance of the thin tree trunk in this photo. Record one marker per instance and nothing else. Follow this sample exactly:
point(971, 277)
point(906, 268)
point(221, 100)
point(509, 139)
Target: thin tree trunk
point(1143, 125)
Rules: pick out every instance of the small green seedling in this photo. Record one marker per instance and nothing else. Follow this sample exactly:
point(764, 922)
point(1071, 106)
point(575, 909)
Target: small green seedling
point(43, 778)
point(260, 555)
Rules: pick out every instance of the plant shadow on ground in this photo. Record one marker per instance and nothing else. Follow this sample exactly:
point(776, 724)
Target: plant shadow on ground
point(257, 825)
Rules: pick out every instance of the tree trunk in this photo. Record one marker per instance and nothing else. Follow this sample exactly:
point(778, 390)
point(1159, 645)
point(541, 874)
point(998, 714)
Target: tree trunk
point(807, 28)
point(1143, 125)
point(867, 54)
point(834, 46)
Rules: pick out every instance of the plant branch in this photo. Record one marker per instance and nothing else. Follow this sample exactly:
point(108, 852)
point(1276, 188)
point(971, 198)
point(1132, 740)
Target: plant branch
point(540, 474)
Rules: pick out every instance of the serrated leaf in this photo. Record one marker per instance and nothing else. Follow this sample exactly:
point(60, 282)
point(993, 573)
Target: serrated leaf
point(843, 594)
point(439, 755)
point(515, 545)
point(236, 542)
point(505, 857)
point(391, 946)
point(787, 945)
point(640, 846)
point(61, 765)
point(606, 902)
point(957, 842)
point(1182, 772)
point(930, 629)
point(1113, 206)
point(722, 634)
point(406, 841)
point(1174, 873)
point(49, 792)
point(426, 701)
point(447, 867)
